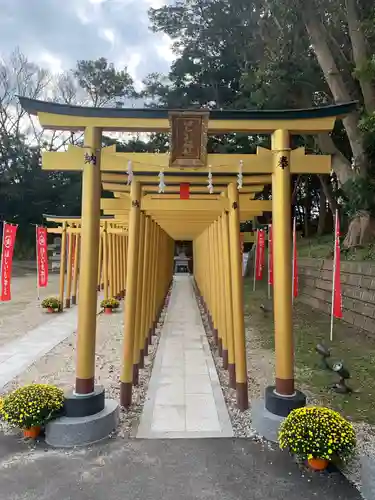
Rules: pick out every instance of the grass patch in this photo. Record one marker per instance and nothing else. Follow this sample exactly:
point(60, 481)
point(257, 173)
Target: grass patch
point(311, 327)
point(322, 248)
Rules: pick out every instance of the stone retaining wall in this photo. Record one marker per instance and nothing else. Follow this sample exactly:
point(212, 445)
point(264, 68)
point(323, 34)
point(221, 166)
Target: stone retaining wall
point(358, 289)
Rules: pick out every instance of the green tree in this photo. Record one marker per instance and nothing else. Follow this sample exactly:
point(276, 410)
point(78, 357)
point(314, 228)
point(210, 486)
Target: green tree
point(27, 192)
point(104, 84)
point(280, 54)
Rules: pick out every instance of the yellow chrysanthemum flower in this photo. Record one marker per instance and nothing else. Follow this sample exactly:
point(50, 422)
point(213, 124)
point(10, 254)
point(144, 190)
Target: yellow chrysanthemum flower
point(315, 432)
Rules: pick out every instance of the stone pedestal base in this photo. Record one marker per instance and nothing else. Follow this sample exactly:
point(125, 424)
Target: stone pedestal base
point(368, 477)
point(265, 423)
point(268, 413)
point(67, 432)
point(83, 405)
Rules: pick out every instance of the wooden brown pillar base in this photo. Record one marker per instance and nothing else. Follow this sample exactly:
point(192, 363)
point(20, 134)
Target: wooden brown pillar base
point(232, 375)
point(285, 387)
point(74, 300)
point(242, 396)
point(136, 374)
point(145, 349)
point(220, 346)
point(225, 359)
point(142, 359)
point(67, 303)
point(150, 334)
point(126, 394)
point(215, 336)
point(84, 385)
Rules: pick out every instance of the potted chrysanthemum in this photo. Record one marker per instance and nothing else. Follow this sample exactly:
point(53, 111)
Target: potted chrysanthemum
point(318, 435)
point(30, 407)
point(52, 304)
point(109, 305)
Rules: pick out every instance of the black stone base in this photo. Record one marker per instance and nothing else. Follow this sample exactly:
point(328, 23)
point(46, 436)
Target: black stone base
point(82, 405)
point(283, 405)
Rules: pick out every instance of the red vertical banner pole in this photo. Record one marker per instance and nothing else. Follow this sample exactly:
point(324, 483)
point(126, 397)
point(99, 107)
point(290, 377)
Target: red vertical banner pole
point(74, 236)
point(260, 258)
point(295, 262)
point(42, 257)
point(9, 240)
point(255, 257)
point(336, 309)
point(270, 260)
point(242, 240)
point(1, 260)
point(37, 262)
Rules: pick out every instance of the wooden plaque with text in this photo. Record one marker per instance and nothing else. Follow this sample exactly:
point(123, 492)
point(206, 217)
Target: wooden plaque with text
point(188, 138)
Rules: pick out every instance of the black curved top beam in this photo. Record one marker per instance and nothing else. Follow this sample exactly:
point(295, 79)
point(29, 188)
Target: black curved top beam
point(34, 106)
point(74, 217)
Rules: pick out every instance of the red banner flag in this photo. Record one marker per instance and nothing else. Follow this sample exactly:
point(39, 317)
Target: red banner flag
point(9, 240)
point(42, 256)
point(295, 261)
point(260, 254)
point(270, 255)
point(337, 295)
point(73, 252)
point(242, 242)
point(184, 191)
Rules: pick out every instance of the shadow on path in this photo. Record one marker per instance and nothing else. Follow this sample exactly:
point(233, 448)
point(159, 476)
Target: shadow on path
point(196, 469)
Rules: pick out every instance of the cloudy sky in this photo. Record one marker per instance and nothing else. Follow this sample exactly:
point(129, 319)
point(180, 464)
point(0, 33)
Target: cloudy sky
point(55, 33)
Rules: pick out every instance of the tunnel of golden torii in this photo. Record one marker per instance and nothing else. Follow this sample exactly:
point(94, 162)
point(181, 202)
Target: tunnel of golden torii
point(146, 208)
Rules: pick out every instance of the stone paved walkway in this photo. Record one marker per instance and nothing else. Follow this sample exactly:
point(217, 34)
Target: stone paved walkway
point(184, 398)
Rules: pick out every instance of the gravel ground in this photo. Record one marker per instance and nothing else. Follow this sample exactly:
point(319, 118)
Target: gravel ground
point(261, 373)
point(23, 313)
point(57, 367)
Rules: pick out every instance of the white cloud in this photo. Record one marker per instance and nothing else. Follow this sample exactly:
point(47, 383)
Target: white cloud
point(108, 34)
point(48, 60)
point(165, 48)
point(57, 33)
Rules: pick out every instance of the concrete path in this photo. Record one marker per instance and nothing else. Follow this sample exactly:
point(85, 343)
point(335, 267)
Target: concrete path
point(173, 469)
point(17, 356)
point(184, 398)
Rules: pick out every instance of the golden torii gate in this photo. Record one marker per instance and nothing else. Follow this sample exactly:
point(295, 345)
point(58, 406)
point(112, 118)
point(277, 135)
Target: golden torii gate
point(112, 251)
point(188, 159)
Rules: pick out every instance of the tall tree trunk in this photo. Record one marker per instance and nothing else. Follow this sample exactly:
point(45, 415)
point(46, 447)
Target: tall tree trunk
point(340, 165)
point(306, 222)
point(322, 212)
point(336, 83)
point(307, 214)
point(360, 54)
point(361, 228)
point(328, 194)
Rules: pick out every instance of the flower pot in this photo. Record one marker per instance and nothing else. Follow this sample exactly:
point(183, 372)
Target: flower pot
point(50, 310)
point(108, 310)
point(318, 464)
point(32, 433)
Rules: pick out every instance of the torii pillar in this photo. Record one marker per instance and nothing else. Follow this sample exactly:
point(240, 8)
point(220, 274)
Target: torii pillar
point(90, 235)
